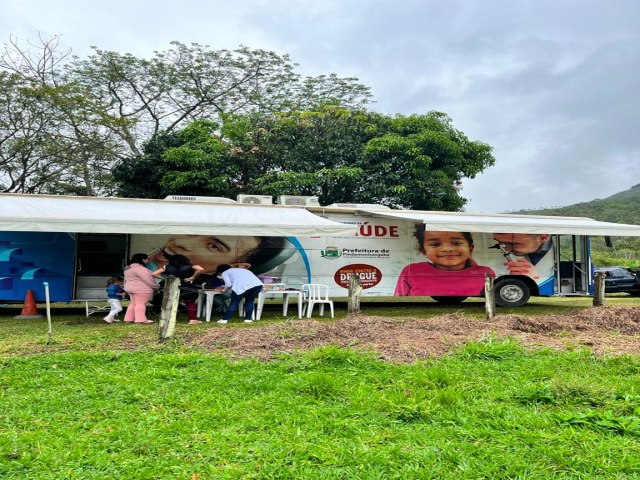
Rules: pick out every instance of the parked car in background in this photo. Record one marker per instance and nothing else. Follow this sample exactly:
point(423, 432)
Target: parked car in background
point(620, 279)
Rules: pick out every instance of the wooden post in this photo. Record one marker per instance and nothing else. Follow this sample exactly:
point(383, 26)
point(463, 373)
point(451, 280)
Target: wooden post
point(598, 292)
point(355, 290)
point(489, 297)
point(169, 312)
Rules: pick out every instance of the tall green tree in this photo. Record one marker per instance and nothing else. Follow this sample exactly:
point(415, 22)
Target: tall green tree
point(303, 153)
point(339, 155)
point(420, 161)
point(101, 110)
point(416, 161)
point(141, 176)
point(190, 161)
point(49, 140)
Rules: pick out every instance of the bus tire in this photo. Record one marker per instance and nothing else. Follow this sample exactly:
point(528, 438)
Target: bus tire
point(449, 300)
point(511, 292)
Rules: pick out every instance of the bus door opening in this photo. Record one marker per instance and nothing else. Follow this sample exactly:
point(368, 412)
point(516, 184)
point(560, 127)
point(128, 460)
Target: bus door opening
point(98, 257)
point(573, 264)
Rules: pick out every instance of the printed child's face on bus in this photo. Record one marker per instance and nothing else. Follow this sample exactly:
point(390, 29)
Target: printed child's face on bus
point(521, 243)
point(209, 251)
point(447, 250)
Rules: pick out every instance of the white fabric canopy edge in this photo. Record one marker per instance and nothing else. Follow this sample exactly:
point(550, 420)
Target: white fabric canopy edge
point(505, 223)
point(52, 213)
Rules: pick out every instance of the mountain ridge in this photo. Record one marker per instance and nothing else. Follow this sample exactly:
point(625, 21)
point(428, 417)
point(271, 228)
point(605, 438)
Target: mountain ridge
point(621, 207)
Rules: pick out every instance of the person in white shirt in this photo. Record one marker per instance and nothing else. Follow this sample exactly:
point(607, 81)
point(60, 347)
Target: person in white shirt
point(243, 284)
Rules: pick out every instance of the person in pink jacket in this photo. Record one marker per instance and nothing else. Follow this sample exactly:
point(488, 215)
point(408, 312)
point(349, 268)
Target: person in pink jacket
point(140, 284)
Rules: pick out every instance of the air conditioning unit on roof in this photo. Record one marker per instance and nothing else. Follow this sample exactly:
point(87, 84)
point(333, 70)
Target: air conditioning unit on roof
point(255, 199)
point(190, 198)
point(362, 206)
point(298, 201)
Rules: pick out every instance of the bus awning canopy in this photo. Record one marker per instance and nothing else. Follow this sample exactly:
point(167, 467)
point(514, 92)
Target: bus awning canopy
point(51, 213)
point(506, 223)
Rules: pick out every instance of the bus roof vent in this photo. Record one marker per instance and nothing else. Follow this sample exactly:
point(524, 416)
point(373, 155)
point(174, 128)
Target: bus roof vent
point(298, 200)
point(255, 199)
point(190, 198)
point(369, 206)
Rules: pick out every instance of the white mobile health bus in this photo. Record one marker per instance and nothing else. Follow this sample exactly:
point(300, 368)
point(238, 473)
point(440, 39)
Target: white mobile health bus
point(77, 243)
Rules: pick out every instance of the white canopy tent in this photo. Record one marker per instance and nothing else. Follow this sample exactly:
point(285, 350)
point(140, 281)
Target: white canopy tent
point(51, 213)
point(506, 223)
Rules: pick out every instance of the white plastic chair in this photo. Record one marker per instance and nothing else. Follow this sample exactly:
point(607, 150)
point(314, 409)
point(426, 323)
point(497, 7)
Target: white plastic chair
point(316, 293)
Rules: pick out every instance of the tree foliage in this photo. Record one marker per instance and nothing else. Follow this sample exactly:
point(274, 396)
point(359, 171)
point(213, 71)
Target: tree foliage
point(81, 116)
point(193, 120)
point(419, 162)
point(337, 154)
point(50, 141)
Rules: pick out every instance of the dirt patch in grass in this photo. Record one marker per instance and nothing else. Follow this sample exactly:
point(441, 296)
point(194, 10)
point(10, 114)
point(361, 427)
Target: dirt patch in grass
point(604, 330)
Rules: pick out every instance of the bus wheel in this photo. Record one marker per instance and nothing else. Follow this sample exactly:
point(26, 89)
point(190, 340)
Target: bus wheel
point(449, 300)
point(511, 292)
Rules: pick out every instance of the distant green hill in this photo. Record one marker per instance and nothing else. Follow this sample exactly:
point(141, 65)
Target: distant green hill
point(623, 207)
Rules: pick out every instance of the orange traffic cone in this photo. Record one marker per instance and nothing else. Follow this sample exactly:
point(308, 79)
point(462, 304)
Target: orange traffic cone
point(29, 310)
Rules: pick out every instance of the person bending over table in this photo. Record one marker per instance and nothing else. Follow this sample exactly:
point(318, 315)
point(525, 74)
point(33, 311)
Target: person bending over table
point(243, 285)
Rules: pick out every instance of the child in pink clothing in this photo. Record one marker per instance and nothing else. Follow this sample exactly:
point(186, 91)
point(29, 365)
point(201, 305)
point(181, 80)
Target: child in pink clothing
point(140, 284)
point(451, 271)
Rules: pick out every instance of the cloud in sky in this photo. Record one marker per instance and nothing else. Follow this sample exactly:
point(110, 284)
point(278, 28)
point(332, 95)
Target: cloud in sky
point(550, 84)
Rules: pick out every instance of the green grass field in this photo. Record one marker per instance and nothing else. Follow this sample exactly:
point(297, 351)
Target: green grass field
point(98, 401)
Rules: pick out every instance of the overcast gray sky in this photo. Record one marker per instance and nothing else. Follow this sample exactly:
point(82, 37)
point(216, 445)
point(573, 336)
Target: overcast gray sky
point(552, 85)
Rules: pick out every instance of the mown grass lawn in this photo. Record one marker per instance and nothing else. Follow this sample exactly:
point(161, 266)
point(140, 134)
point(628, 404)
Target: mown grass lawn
point(96, 410)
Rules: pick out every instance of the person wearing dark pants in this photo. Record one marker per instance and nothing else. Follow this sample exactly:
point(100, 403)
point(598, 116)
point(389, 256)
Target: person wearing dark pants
point(243, 285)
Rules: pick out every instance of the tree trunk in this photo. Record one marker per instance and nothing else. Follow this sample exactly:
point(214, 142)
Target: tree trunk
point(598, 293)
point(489, 297)
point(169, 312)
point(355, 289)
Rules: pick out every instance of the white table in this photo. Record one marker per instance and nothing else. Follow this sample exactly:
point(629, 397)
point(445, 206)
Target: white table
point(208, 307)
point(92, 306)
point(285, 294)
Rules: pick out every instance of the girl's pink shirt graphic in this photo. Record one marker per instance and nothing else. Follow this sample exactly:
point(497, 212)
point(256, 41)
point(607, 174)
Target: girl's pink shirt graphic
point(424, 280)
